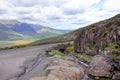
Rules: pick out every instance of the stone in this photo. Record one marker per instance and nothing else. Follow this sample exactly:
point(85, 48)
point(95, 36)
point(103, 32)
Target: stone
point(116, 76)
point(62, 69)
point(99, 67)
point(65, 70)
point(116, 63)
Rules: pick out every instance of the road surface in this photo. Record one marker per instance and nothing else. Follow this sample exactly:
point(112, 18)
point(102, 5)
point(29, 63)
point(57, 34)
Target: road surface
point(11, 61)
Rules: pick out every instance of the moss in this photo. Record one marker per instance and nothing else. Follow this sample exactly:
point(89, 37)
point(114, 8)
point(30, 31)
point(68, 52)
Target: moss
point(102, 55)
point(116, 56)
point(86, 56)
point(113, 46)
point(90, 45)
point(71, 49)
point(57, 52)
point(47, 54)
point(105, 45)
point(106, 30)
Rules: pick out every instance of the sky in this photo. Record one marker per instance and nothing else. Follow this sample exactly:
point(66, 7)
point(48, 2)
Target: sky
point(59, 14)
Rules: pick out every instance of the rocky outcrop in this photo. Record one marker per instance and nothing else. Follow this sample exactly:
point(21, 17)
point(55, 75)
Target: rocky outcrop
point(94, 38)
point(101, 67)
point(62, 69)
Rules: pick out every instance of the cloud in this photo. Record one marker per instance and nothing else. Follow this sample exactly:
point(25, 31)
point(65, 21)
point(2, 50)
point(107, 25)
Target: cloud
point(112, 5)
point(61, 14)
point(73, 11)
point(23, 3)
point(2, 11)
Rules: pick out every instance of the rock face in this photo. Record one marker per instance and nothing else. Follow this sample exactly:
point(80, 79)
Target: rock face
point(96, 37)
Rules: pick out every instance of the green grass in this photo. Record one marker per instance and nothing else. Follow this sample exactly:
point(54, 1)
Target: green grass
point(57, 52)
point(91, 46)
point(86, 56)
point(71, 49)
point(115, 56)
point(113, 46)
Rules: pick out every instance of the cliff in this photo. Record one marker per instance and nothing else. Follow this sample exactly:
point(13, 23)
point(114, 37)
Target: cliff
point(99, 37)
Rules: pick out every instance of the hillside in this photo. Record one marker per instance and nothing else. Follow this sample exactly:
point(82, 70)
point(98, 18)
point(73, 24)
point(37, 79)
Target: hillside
point(27, 30)
point(99, 37)
point(71, 36)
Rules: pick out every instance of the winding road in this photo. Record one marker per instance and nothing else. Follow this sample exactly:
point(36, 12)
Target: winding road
point(11, 61)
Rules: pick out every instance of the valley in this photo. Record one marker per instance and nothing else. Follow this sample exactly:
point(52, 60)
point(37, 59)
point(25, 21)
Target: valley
point(76, 55)
point(15, 33)
point(59, 39)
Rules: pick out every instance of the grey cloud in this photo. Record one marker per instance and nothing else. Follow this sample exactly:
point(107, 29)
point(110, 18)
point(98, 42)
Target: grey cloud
point(69, 11)
point(29, 18)
point(57, 3)
point(54, 18)
point(23, 12)
point(2, 11)
point(24, 3)
point(80, 22)
point(43, 3)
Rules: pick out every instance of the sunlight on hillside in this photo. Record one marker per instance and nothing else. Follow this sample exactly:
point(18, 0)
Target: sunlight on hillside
point(15, 43)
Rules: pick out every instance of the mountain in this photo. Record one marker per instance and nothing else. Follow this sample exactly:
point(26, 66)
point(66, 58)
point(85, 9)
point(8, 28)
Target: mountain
point(28, 30)
point(6, 33)
point(71, 36)
point(96, 47)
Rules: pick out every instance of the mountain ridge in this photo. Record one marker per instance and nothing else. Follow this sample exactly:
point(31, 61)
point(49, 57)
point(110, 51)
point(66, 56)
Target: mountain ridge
point(29, 30)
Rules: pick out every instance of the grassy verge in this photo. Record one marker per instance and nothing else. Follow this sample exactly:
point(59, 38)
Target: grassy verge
point(71, 50)
point(14, 44)
point(57, 52)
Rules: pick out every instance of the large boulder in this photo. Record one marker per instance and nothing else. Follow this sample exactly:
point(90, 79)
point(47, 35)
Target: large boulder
point(100, 67)
point(62, 69)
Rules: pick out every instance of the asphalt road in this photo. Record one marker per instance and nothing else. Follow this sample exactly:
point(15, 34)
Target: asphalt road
point(12, 60)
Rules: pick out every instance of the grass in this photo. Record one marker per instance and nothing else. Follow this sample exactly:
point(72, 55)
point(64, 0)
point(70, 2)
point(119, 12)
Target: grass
point(113, 46)
point(16, 42)
point(90, 45)
point(115, 56)
point(85, 56)
point(71, 49)
point(57, 52)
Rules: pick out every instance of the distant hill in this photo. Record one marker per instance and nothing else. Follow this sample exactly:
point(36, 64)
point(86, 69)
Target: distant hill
point(15, 29)
point(6, 33)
